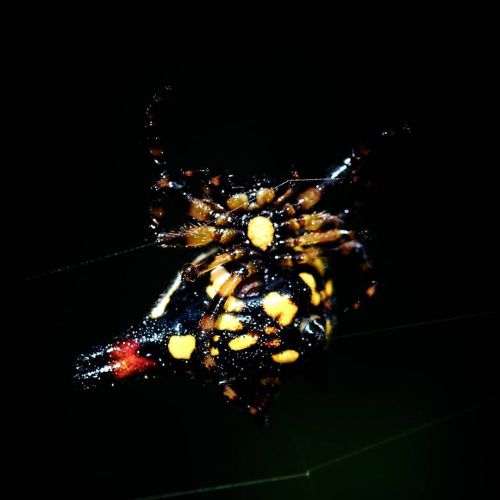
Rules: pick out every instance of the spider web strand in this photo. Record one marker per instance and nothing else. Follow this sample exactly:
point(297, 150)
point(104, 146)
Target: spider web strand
point(307, 473)
point(71, 267)
point(209, 489)
point(413, 325)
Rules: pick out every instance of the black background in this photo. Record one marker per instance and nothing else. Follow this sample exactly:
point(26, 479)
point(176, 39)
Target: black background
point(80, 181)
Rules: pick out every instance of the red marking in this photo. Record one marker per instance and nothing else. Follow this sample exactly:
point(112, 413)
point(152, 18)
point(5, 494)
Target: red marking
point(126, 361)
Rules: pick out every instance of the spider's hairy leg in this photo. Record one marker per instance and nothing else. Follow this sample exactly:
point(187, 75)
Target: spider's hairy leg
point(299, 257)
point(198, 236)
point(252, 391)
point(369, 285)
point(195, 180)
point(316, 238)
point(174, 195)
point(193, 271)
point(167, 193)
point(223, 294)
point(312, 222)
point(347, 171)
point(254, 394)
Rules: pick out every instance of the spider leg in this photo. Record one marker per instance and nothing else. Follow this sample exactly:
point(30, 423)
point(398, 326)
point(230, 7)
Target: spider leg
point(307, 256)
point(366, 285)
point(212, 319)
point(170, 194)
point(316, 238)
point(198, 236)
point(193, 271)
point(311, 222)
point(369, 285)
point(254, 394)
point(208, 320)
point(196, 180)
point(348, 171)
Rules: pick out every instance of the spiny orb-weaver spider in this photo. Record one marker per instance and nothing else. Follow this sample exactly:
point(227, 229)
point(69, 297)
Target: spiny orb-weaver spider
point(259, 300)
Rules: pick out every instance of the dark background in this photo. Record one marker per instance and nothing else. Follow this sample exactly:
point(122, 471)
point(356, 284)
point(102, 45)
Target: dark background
point(80, 182)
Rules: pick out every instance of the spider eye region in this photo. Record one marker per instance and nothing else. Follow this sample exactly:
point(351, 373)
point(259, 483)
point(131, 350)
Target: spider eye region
point(260, 232)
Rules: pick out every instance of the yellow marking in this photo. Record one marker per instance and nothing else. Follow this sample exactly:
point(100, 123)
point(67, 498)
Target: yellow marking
point(218, 276)
point(229, 393)
point(214, 351)
point(309, 280)
point(219, 273)
point(279, 307)
point(313, 222)
point(228, 322)
point(329, 288)
point(199, 210)
point(314, 238)
point(160, 306)
point(209, 362)
point(199, 236)
point(309, 197)
point(228, 235)
point(264, 195)
point(370, 292)
point(238, 201)
point(224, 258)
point(233, 304)
point(311, 283)
point(229, 285)
point(328, 329)
point(216, 338)
point(319, 264)
point(181, 346)
point(271, 329)
point(260, 232)
point(223, 220)
point(242, 342)
point(288, 356)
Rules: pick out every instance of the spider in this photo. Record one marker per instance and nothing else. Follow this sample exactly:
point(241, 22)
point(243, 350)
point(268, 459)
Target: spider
point(259, 299)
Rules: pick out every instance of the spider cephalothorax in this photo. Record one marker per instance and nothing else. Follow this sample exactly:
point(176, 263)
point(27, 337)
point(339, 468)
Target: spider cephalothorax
point(258, 300)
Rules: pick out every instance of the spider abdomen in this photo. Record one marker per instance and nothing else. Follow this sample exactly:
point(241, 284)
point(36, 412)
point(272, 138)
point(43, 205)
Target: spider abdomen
point(275, 318)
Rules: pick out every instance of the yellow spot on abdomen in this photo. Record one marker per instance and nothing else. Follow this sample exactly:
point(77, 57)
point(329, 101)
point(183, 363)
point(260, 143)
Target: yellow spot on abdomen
point(214, 351)
point(311, 283)
point(233, 304)
point(260, 232)
point(329, 288)
point(279, 307)
point(288, 356)
point(181, 346)
point(242, 342)
point(228, 322)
